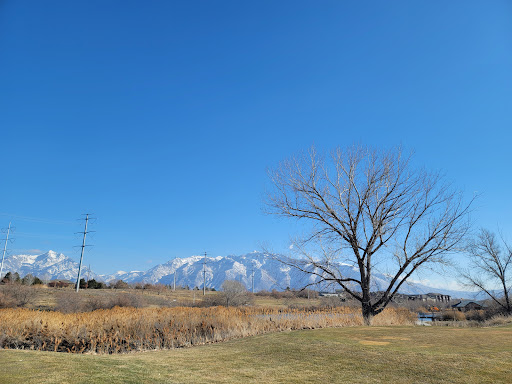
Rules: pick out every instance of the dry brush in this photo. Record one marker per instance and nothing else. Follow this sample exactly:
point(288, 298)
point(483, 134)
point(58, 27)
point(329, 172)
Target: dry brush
point(120, 330)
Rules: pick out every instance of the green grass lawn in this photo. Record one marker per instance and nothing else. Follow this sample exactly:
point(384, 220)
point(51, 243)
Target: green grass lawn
point(342, 355)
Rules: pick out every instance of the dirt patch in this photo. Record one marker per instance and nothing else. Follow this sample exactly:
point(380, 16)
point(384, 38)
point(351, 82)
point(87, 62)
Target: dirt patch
point(373, 342)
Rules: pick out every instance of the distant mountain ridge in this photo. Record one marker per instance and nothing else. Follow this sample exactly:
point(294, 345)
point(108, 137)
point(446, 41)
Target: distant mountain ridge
point(49, 266)
point(268, 273)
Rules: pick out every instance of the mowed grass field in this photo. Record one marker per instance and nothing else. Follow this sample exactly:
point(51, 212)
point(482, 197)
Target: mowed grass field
point(408, 354)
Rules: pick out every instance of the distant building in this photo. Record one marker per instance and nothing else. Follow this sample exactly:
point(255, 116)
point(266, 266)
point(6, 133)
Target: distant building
point(397, 298)
point(427, 298)
point(430, 297)
point(338, 294)
point(469, 305)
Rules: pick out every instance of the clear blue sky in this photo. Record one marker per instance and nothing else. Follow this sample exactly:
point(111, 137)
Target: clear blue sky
point(161, 117)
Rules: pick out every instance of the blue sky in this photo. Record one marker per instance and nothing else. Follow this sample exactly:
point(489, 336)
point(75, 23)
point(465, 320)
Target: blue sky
point(162, 117)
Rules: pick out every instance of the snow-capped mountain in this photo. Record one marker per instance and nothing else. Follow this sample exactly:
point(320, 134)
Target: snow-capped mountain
point(49, 266)
point(266, 272)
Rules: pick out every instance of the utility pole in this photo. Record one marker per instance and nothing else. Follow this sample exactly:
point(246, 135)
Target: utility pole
point(252, 273)
point(204, 275)
point(88, 272)
point(5, 249)
point(85, 232)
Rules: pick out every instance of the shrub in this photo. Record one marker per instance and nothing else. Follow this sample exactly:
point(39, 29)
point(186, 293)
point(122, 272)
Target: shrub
point(262, 293)
point(475, 315)
point(60, 284)
point(72, 302)
point(451, 315)
point(307, 293)
point(17, 295)
point(127, 300)
point(69, 302)
point(498, 320)
point(120, 284)
point(83, 284)
point(6, 301)
point(281, 294)
point(93, 284)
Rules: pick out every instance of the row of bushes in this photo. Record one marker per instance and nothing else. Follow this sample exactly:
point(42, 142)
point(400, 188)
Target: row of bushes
point(70, 302)
point(29, 279)
point(118, 284)
point(134, 329)
point(14, 278)
point(475, 315)
point(289, 293)
point(489, 319)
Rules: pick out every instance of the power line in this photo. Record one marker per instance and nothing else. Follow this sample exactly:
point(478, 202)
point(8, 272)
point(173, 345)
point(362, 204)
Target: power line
point(41, 236)
point(36, 219)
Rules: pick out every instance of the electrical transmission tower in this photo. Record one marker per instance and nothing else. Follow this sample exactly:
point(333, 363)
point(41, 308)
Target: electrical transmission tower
point(5, 249)
point(204, 275)
point(85, 232)
point(252, 275)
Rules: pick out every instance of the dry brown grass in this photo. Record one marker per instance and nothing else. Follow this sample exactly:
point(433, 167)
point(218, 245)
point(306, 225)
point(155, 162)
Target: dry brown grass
point(135, 329)
point(46, 298)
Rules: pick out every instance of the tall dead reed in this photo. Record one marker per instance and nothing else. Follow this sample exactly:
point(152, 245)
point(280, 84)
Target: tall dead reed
point(135, 329)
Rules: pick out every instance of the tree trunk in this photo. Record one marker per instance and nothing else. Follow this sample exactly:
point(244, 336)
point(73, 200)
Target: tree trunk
point(366, 302)
point(507, 303)
point(367, 315)
point(368, 312)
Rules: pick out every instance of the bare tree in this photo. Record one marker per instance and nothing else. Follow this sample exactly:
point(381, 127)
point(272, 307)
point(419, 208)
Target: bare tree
point(28, 279)
point(368, 208)
point(46, 278)
point(489, 267)
point(234, 293)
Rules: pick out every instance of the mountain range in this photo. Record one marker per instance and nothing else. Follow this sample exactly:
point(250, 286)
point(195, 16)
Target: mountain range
point(256, 268)
point(47, 266)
